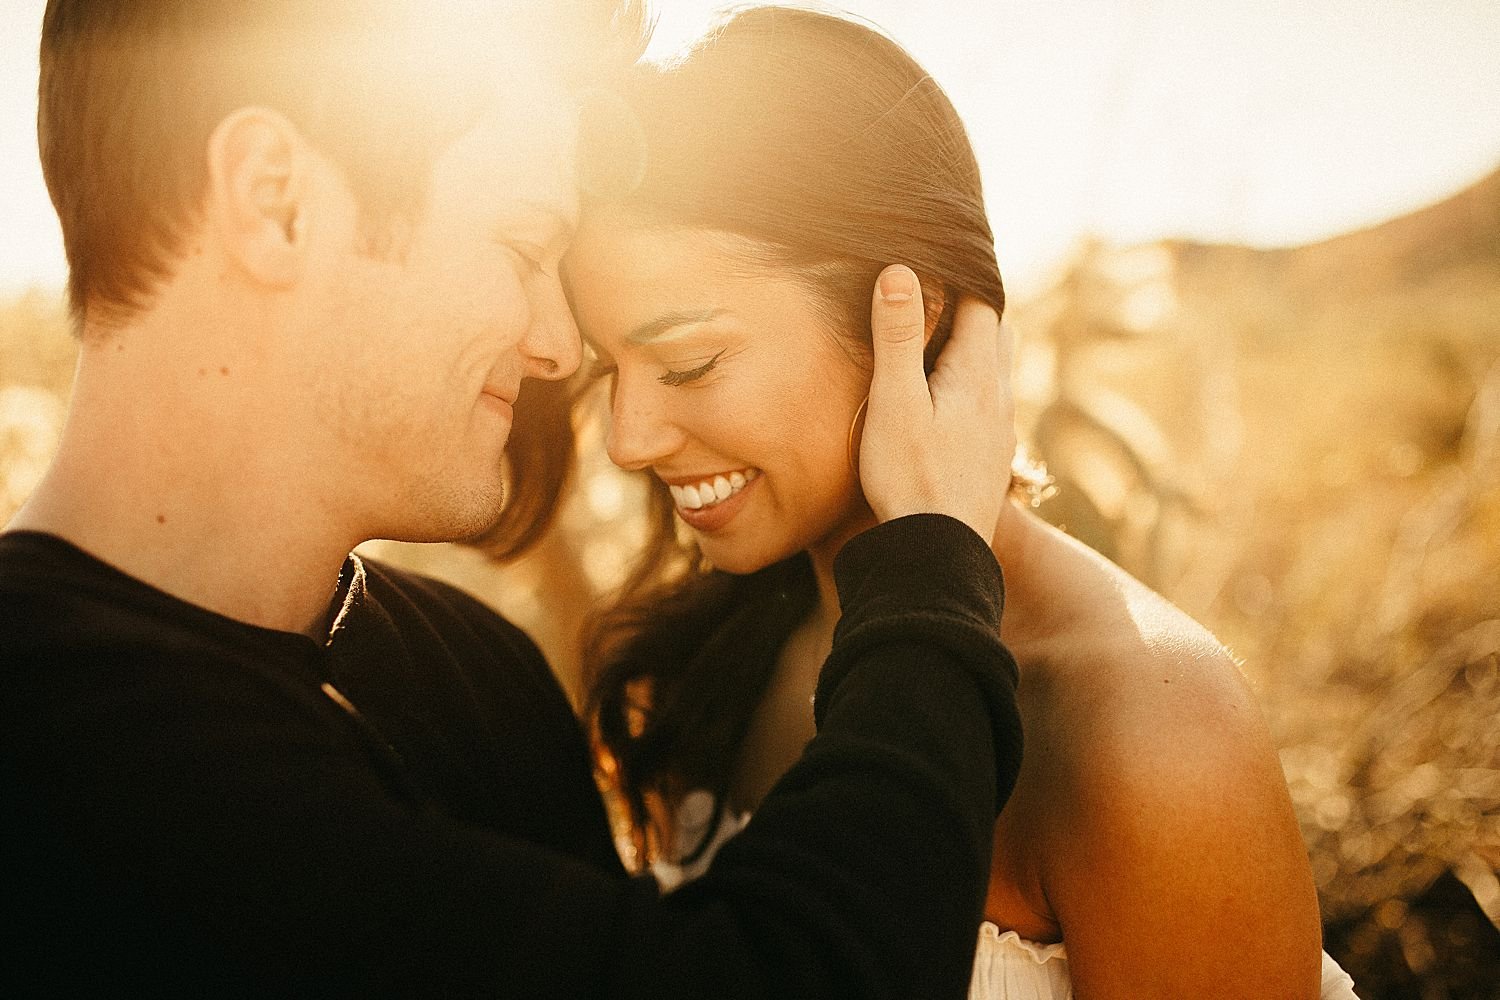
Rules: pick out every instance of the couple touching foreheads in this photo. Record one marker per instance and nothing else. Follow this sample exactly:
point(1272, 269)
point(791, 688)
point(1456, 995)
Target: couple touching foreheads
point(330, 265)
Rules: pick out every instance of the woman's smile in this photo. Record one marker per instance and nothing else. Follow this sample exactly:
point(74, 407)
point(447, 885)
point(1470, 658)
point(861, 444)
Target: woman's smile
point(710, 490)
point(712, 503)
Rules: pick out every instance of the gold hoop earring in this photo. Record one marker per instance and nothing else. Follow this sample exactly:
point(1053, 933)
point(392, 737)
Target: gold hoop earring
point(856, 429)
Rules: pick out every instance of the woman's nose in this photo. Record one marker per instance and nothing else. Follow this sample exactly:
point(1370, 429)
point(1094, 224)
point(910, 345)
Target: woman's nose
point(641, 430)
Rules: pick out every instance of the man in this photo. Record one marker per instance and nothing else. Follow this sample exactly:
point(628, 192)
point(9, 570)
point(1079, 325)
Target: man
point(313, 259)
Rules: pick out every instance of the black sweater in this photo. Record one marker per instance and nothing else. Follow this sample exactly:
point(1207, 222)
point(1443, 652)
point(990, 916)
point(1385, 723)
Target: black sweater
point(196, 806)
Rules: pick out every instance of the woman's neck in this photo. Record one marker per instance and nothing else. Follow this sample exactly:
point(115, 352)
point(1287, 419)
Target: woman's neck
point(822, 554)
point(783, 723)
point(1017, 535)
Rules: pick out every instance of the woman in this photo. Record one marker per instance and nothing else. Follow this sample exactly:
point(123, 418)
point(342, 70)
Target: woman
point(1150, 847)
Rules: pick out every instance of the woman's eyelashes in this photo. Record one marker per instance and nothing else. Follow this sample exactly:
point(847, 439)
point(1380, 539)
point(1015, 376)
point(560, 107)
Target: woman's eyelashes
point(671, 377)
point(602, 366)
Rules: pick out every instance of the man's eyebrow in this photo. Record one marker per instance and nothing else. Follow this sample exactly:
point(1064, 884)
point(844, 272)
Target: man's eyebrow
point(669, 326)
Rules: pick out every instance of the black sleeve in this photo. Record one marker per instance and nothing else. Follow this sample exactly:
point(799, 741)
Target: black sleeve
point(870, 857)
point(243, 845)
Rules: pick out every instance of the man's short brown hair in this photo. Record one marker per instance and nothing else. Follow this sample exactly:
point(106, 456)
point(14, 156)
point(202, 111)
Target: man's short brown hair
point(131, 91)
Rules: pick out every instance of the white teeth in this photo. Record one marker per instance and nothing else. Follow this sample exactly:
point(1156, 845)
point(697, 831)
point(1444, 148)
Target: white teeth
point(686, 496)
point(713, 491)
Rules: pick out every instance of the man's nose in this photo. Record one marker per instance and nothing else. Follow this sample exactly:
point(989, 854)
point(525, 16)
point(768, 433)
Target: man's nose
point(642, 432)
point(552, 347)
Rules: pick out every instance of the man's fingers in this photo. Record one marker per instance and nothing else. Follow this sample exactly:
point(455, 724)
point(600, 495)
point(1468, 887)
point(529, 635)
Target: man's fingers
point(976, 333)
point(898, 325)
point(975, 351)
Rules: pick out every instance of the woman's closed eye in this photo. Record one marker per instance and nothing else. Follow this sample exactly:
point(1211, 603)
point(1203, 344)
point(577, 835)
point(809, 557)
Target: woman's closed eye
point(672, 377)
point(602, 366)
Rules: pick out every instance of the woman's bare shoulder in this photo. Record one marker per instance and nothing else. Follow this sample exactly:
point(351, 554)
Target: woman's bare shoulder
point(1100, 641)
point(1125, 694)
point(1161, 811)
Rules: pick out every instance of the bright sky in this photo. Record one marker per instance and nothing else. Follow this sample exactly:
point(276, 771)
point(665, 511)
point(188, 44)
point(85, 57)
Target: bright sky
point(1269, 122)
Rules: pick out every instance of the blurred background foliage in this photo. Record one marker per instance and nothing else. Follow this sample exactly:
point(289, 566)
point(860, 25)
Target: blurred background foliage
point(1300, 447)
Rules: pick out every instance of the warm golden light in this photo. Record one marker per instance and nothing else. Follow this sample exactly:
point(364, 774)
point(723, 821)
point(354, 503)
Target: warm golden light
point(1251, 253)
point(1268, 123)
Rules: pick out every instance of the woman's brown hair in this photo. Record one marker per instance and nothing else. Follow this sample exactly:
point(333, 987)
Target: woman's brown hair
point(827, 146)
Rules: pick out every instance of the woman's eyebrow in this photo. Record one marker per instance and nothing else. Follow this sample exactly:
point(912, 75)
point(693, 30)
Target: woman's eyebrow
point(670, 325)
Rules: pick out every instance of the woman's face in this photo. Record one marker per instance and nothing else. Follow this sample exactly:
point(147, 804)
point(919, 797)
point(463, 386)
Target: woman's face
point(727, 384)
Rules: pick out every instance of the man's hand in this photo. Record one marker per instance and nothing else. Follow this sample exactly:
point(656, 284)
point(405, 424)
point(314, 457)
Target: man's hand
point(943, 444)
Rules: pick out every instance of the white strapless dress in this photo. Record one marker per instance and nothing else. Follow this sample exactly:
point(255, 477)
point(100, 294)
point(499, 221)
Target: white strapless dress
point(1006, 966)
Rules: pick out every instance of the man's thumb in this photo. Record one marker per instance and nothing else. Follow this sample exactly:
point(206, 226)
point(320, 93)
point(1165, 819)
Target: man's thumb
point(897, 325)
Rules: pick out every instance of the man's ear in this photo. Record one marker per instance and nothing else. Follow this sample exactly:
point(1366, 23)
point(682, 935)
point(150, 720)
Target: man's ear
point(258, 182)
